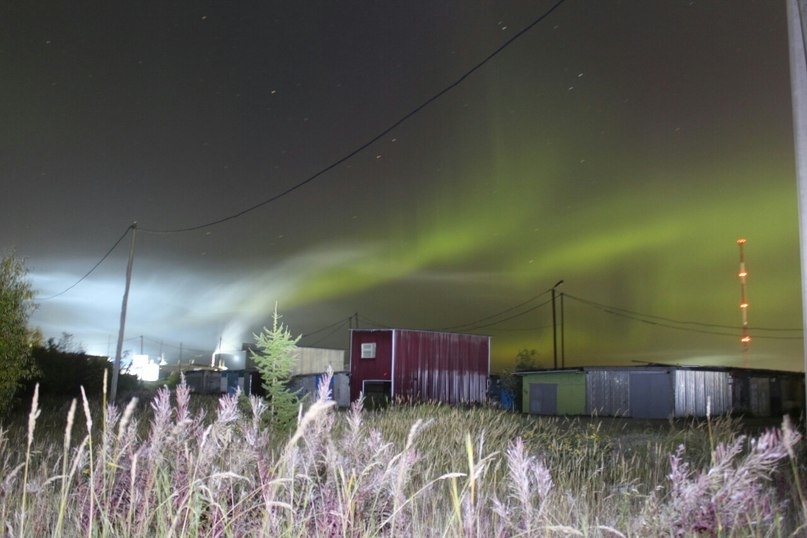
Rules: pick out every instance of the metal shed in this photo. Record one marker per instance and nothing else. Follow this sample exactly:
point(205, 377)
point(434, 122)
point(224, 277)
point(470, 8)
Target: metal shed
point(662, 391)
point(639, 392)
point(307, 385)
point(203, 380)
point(419, 365)
point(654, 392)
point(608, 392)
point(701, 391)
point(763, 393)
point(657, 392)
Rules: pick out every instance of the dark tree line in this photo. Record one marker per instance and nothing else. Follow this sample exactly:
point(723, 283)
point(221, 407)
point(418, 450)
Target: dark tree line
point(61, 371)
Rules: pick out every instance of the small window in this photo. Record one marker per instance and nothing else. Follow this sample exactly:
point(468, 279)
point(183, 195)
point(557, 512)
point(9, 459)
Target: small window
point(368, 350)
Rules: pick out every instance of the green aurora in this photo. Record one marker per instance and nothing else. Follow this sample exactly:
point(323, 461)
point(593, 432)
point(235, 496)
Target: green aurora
point(622, 147)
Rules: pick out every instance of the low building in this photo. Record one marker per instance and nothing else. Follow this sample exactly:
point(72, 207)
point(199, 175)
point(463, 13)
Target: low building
point(306, 387)
point(412, 365)
point(767, 392)
point(237, 371)
point(660, 392)
point(204, 380)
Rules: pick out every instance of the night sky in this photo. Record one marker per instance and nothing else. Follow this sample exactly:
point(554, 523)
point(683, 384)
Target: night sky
point(620, 146)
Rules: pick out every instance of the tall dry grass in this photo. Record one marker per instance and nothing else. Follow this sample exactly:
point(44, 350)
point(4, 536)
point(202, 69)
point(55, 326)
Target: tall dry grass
point(177, 469)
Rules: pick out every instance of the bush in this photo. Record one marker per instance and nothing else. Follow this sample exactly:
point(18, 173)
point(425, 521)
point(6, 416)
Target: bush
point(61, 373)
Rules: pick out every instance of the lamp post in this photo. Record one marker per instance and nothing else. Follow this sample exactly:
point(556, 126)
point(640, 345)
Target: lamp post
point(555, 326)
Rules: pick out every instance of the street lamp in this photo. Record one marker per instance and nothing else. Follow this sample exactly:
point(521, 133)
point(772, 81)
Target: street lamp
point(555, 326)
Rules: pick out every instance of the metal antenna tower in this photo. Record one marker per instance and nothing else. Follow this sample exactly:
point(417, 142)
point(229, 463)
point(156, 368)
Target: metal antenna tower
point(744, 338)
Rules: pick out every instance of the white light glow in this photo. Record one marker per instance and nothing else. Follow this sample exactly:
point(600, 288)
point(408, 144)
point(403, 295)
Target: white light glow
point(144, 369)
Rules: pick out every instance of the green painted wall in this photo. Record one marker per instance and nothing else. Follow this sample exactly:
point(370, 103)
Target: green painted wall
point(571, 391)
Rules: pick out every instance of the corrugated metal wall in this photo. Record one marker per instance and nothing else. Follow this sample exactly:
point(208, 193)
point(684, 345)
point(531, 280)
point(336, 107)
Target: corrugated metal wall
point(608, 392)
point(423, 365)
point(313, 360)
point(306, 386)
point(760, 396)
point(767, 393)
point(308, 360)
point(629, 392)
point(694, 389)
point(651, 394)
point(662, 392)
point(792, 394)
point(203, 381)
point(443, 367)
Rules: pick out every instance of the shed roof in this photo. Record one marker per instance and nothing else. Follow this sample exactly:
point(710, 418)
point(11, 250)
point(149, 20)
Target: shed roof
point(661, 366)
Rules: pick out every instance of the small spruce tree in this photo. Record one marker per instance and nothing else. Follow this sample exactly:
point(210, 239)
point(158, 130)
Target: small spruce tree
point(275, 362)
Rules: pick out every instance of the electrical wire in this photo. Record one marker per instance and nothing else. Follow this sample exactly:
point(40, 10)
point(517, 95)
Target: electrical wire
point(476, 324)
point(334, 327)
point(336, 163)
point(669, 320)
point(367, 321)
point(369, 142)
point(491, 324)
point(473, 323)
point(330, 326)
point(181, 347)
point(670, 323)
point(94, 267)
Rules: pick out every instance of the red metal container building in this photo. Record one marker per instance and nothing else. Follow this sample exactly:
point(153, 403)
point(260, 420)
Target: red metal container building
point(419, 365)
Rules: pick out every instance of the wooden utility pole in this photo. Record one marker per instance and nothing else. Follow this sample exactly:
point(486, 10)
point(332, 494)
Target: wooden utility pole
point(555, 327)
point(113, 393)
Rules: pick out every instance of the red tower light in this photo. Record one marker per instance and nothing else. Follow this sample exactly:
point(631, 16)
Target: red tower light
point(745, 339)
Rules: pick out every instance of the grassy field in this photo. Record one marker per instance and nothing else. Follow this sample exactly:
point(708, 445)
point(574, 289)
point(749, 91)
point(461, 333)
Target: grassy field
point(182, 465)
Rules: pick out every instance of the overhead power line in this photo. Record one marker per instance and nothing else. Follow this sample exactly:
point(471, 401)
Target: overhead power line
point(367, 321)
point(331, 166)
point(164, 344)
point(514, 316)
point(369, 142)
point(670, 320)
point(333, 328)
point(330, 326)
point(690, 326)
point(471, 324)
point(94, 267)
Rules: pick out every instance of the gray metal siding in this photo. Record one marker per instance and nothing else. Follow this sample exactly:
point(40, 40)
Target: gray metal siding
point(695, 390)
point(651, 394)
point(760, 397)
point(203, 381)
point(792, 394)
point(311, 360)
point(608, 393)
point(307, 386)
